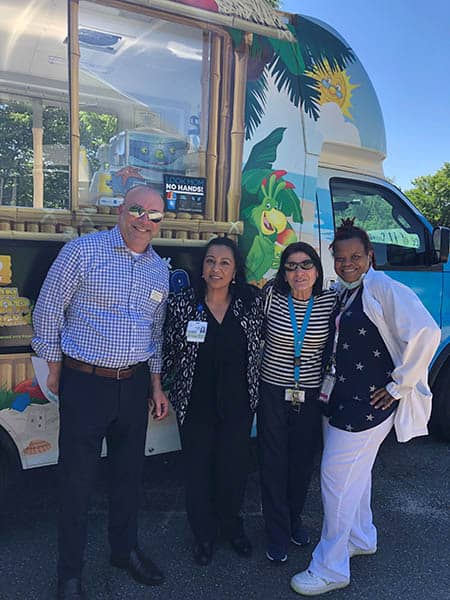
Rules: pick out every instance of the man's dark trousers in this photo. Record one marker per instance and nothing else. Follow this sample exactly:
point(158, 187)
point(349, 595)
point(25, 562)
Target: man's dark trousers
point(91, 408)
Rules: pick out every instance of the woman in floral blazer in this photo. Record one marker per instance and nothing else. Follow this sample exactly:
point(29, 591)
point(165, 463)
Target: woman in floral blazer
point(211, 371)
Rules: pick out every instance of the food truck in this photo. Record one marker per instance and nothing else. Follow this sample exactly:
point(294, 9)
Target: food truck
point(252, 123)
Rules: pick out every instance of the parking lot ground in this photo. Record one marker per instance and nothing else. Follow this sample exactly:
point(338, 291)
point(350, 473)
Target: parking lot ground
point(411, 501)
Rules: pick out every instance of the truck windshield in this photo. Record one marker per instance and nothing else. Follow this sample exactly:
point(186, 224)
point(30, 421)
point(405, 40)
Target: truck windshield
point(397, 235)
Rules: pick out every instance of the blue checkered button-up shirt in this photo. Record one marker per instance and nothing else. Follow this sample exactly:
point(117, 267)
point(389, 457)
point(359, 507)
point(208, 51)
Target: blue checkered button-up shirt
point(102, 305)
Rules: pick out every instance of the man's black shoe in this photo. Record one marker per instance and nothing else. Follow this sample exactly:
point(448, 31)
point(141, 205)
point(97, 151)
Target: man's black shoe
point(140, 568)
point(70, 589)
point(241, 545)
point(203, 552)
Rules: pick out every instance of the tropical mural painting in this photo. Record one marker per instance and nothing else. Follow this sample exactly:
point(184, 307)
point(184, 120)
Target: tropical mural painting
point(24, 408)
point(334, 86)
point(26, 411)
point(305, 69)
point(268, 201)
point(307, 74)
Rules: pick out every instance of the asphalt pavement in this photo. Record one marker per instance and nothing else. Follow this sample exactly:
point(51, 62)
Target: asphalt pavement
point(411, 501)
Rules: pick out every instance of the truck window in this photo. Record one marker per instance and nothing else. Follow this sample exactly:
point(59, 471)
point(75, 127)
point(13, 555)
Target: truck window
point(143, 96)
point(397, 235)
point(34, 122)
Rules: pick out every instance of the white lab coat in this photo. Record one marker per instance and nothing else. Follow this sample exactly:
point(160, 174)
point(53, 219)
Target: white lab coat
point(412, 337)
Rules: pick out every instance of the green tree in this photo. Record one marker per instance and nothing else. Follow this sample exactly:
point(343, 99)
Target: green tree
point(96, 129)
point(55, 122)
point(431, 195)
point(16, 151)
point(16, 154)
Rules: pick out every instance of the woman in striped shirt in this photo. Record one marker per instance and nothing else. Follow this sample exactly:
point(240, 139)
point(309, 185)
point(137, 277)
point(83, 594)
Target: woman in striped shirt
point(289, 424)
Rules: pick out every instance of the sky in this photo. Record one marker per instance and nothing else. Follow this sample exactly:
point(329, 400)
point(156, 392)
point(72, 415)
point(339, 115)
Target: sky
point(405, 50)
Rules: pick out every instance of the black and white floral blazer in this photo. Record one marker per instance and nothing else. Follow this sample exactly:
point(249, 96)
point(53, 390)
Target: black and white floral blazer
point(180, 356)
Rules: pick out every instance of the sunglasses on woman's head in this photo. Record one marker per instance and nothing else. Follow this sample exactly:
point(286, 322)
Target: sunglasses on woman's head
point(304, 265)
point(136, 211)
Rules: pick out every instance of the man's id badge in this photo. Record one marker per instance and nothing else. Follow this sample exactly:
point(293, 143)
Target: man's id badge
point(327, 387)
point(156, 296)
point(196, 331)
point(294, 396)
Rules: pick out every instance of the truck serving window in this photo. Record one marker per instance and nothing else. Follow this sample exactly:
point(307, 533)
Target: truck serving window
point(97, 97)
point(143, 97)
point(397, 235)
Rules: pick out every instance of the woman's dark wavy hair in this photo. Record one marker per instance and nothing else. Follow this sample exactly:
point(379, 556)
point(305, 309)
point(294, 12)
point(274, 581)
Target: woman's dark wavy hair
point(281, 285)
point(240, 288)
point(347, 230)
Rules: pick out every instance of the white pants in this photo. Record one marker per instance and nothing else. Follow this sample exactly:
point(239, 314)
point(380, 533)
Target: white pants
point(346, 480)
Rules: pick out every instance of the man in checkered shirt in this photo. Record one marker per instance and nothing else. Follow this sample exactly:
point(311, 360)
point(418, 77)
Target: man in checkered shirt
point(98, 323)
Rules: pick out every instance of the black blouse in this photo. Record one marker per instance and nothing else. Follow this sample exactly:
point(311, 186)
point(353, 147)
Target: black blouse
point(220, 386)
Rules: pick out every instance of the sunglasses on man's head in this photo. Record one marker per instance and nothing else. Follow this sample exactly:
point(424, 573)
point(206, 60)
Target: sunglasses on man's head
point(304, 265)
point(136, 211)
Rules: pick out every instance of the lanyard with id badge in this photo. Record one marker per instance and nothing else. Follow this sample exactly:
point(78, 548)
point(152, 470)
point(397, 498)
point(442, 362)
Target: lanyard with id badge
point(329, 379)
point(295, 395)
point(196, 330)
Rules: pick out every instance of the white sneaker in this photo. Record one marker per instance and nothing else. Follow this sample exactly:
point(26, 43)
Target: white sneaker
point(308, 584)
point(354, 551)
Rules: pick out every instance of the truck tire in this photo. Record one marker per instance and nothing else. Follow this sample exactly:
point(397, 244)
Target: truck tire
point(10, 466)
point(440, 415)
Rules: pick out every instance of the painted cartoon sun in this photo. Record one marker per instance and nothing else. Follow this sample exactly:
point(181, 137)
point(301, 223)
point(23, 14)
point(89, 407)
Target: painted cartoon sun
point(335, 87)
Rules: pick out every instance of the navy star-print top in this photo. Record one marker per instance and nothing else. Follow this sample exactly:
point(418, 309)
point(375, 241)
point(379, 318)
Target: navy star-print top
point(363, 364)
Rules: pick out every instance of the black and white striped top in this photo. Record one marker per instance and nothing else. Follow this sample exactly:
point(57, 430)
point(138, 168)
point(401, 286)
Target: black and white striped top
point(278, 358)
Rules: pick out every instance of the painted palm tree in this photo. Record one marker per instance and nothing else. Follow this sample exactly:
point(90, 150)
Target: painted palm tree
point(291, 65)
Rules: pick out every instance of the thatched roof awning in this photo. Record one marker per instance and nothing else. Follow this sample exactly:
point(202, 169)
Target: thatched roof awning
point(256, 16)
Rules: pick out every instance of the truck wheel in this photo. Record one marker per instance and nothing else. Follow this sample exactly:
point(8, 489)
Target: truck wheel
point(440, 416)
point(10, 467)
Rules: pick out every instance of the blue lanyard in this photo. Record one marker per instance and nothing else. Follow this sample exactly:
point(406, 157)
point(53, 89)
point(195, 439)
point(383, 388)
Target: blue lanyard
point(299, 336)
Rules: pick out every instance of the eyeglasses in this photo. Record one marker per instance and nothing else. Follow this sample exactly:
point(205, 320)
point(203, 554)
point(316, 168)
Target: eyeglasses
point(304, 265)
point(136, 211)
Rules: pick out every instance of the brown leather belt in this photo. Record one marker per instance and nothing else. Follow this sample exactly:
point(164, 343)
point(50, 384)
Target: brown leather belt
point(78, 365)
